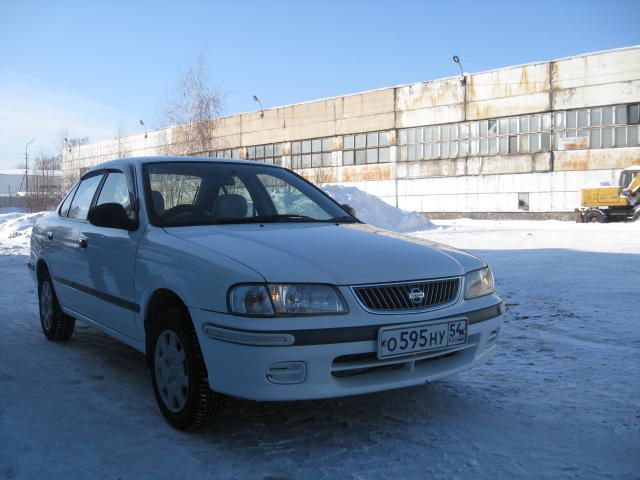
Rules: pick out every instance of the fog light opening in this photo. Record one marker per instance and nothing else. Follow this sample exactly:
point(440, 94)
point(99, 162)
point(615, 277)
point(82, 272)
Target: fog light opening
point(287, 373)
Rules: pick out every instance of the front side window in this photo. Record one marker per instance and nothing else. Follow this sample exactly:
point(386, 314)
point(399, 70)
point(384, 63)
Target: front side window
point(82, 199)
point(211, 193)
point(116, 190)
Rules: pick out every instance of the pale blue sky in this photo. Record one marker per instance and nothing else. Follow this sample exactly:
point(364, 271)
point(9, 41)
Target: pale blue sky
point(95, 66)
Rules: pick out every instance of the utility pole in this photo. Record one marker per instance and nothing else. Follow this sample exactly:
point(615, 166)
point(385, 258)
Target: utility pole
point(26, 165)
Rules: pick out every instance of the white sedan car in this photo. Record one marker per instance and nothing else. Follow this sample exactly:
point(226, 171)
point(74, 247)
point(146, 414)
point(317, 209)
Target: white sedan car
point(243, 279)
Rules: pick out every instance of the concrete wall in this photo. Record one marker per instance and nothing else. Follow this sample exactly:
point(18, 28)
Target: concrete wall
point(465, 183)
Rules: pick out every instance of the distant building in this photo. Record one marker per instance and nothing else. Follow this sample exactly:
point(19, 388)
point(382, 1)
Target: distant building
point(513, 142)
point(13, 186)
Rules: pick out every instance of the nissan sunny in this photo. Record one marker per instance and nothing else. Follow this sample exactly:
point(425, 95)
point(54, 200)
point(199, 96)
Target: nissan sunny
point(243, 279)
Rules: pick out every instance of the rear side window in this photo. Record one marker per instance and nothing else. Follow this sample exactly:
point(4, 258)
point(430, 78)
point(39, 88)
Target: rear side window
point(82, 199)
point(116, 190)
point(64, 208)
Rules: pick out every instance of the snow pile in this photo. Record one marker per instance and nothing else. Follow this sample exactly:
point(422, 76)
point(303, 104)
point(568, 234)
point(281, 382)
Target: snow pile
point(15, 231)
point(374, 211)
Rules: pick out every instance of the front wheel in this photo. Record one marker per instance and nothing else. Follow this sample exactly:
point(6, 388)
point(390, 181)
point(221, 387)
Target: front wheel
point(178, 373)
point(594, 216)
point(55, 324)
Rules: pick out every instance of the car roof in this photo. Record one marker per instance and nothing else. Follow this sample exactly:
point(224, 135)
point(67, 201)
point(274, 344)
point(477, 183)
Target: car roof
point(136, 161)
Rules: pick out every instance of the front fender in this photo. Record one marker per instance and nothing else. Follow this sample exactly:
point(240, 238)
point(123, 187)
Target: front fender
point(199, 276)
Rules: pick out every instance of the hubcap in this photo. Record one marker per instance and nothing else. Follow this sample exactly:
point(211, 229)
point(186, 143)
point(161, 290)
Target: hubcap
point(170, 364)
point(46, 305)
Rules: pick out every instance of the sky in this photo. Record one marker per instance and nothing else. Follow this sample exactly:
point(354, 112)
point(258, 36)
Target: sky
point(95, 69)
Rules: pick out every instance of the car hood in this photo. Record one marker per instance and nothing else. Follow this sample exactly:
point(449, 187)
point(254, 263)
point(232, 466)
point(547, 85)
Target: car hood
point(344, 254)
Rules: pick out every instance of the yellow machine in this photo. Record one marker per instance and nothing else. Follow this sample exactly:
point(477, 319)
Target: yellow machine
point(604, 204)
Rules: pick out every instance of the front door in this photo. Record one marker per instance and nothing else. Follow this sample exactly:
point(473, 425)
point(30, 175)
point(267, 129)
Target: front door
point(106, 261)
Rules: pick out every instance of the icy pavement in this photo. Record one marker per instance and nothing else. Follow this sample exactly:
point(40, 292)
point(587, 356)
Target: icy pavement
point(561, 399)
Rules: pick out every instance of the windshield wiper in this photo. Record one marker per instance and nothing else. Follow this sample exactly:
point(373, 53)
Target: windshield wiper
point(344, 219)
point(271, 219)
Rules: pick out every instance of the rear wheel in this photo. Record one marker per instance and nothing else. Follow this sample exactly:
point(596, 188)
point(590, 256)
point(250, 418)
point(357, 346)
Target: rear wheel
point(55, 324)
point(594, 216)
point(178, 373)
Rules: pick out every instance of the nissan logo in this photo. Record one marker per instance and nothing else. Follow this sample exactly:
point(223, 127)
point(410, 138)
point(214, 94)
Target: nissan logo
point(416, 295)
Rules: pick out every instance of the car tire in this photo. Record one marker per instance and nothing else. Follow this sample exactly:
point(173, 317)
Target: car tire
point(56, 326)
point(594, 216)
point(179, 374)
point(636, 216)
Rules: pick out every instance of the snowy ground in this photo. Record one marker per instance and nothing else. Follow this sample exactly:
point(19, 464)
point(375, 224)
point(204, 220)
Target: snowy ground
point(560, 400)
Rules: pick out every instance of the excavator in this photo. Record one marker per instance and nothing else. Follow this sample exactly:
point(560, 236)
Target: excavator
point(612, 203)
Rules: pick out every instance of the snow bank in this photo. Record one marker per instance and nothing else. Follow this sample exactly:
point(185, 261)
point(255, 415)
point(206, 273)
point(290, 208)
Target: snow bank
point(15, 231)
point(374, 211)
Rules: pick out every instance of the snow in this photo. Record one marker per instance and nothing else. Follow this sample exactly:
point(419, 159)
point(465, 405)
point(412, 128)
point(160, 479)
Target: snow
point(15, 230)
point(374, 211)
point(560, 400)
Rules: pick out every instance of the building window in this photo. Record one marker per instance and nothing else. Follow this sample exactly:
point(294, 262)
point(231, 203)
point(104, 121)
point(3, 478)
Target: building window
point(601, 127)
point(270, 153)
point(366, 148)
point(523, 201)
point(522, 134)
point(226, 153)
point(312, 153)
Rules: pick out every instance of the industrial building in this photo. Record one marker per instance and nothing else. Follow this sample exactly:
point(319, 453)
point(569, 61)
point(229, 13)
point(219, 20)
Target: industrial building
point(513, 142)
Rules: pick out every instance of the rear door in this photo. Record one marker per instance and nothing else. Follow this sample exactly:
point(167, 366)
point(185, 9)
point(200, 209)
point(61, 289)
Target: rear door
point(106, 261)
point(64, 237)
point(58, 239)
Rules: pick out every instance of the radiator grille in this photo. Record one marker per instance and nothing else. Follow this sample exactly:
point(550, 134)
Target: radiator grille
point(408, 296)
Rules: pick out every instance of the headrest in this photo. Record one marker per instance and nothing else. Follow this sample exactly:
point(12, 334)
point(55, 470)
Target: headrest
point(158, 201)
point(230, 206)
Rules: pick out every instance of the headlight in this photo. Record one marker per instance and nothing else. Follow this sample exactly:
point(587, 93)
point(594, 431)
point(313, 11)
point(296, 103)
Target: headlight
point(285, 299)
point(478, 283)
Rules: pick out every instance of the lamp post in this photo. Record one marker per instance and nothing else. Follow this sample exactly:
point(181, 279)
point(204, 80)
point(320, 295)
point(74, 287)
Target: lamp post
point(256, 99)
point(26, 165)
point(463, 78)
point(463, 82)
point(145, 128)
point(145, 136)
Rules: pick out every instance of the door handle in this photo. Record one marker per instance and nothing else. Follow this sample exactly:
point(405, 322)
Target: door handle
point(83, 243)
point(50, 235)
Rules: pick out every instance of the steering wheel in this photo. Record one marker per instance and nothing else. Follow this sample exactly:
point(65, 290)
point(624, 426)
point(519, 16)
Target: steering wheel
point(185, 208)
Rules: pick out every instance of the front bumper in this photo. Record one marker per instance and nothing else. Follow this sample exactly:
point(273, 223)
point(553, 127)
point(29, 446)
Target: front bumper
point(339, 361)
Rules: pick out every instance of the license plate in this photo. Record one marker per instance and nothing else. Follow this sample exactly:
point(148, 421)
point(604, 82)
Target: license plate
point(405, 339)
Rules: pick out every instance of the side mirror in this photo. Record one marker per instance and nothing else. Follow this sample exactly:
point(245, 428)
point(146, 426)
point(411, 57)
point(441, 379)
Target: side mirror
point(350, 210)
point(111, 215)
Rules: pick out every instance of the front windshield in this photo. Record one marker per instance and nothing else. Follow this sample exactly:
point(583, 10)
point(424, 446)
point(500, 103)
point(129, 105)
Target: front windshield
point(208, 193)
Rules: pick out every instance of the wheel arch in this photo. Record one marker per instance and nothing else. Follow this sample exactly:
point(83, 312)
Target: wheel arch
point(42, 269)
point(162, 299)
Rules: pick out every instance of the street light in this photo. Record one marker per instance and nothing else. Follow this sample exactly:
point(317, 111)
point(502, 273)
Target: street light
point(145, 128)
point(255, 98)
point(463, 78)
point(26, 165)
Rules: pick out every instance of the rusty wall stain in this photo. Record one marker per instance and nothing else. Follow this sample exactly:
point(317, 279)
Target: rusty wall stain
point(603, 159)
point(361, 173)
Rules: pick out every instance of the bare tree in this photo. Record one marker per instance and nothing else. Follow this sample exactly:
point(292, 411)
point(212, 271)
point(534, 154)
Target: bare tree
point(191, 112)
point(45, 183)
point(67, 145)
point(319, 175)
